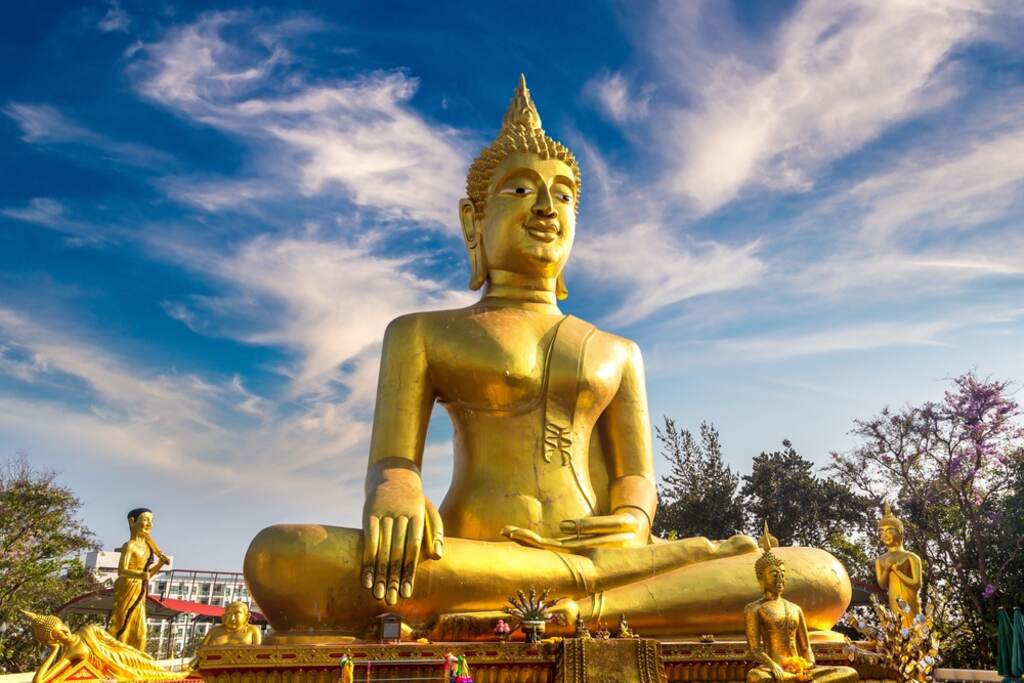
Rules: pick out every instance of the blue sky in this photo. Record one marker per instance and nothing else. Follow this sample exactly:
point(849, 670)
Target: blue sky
point(802, 211)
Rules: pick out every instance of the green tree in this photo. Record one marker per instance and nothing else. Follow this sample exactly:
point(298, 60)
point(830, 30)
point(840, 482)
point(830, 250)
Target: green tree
point(698, 495)
point(41, 540)
point(807, 510)
point(949, 468)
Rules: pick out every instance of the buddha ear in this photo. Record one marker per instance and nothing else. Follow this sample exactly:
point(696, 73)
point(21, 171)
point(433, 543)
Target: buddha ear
point(474, 244)
point(561, 291)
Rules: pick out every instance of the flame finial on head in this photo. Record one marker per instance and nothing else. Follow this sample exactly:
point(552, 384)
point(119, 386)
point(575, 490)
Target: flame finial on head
point(522, 112)
point(888, 519)
point(521, 131)
point(768, 558)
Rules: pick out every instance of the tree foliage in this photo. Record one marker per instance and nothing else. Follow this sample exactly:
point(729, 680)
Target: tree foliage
point(805, 509)
point(698, 495)
point(949, 467)
point(41, 540)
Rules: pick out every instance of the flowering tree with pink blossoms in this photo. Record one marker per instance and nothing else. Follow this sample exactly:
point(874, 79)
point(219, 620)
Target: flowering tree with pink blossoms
point(951, 469)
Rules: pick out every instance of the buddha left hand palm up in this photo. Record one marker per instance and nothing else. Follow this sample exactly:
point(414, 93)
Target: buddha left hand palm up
point(618, 530)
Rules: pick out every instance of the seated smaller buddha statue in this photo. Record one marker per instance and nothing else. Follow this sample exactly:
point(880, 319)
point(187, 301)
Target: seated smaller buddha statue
point(777, 632)
point(234, 628)
point(898, 571)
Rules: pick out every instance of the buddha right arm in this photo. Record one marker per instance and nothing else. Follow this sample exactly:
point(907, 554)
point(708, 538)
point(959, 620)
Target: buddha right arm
point(398, 521)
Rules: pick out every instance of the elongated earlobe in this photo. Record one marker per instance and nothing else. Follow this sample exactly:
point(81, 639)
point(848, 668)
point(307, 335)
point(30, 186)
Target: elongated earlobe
point(561, 291)
point(474, 245)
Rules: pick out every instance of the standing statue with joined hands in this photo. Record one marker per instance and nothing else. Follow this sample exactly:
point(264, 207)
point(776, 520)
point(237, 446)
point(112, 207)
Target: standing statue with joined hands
point(554, 480)
point(898, 571)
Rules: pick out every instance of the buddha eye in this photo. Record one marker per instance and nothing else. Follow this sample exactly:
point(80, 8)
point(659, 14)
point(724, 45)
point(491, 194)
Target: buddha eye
point(517, 190)
point(564, 196)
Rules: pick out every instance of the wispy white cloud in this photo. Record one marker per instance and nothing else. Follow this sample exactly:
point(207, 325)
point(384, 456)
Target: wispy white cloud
point(326, 301)
point(833, 77)
point(206, 436)
point(42, 124)
point(359, 134)
point(52, 214)
point(632, 246)
point(617, 97)
point(860, 336)
point(115, 19)
point(658, 270)
point(942, 189)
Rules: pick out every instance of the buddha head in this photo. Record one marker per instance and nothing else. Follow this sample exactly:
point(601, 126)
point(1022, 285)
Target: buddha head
point(140, 521)
point(49, 630)
point(523, 196)
point(890, 529)
point(770, 570)
point(236, 616)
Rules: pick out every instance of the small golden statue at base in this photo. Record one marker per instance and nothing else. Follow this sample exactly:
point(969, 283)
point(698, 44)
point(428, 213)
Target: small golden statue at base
point(234, 628)
point(898, 571)
point(624, 630)
point(777, 633)
point(581, 629)
point(108, 657)
point(135, 569)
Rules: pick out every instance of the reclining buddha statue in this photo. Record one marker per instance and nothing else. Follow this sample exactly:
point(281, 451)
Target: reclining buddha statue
point(553, 482)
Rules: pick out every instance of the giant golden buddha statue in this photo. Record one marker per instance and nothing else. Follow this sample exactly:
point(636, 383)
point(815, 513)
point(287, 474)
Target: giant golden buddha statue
point(554, 482)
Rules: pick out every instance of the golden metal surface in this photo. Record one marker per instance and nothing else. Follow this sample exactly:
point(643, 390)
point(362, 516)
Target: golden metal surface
point(898, 571)
point(90, 653)
point(776, 630)
point(140, 561)
point(553, 480)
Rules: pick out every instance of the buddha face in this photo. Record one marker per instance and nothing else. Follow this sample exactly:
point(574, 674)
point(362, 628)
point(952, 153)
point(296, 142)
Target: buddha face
point(236, 616)
point(142, 524)
point(890, 535)
point(529, 221)
point(773, 579)
point(59, 634)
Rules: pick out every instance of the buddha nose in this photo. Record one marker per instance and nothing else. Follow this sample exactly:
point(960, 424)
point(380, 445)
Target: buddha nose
point(544, 206)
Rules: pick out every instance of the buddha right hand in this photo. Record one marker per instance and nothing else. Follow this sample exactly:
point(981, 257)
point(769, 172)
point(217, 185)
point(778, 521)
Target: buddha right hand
point(399, 524)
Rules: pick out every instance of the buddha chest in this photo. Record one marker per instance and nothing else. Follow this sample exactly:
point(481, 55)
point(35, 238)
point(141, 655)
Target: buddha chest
point(495, 360)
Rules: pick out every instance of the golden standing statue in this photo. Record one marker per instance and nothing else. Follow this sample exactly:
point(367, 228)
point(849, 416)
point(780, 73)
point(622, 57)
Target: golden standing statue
point(777, 631)
point(141, 559)
point(898, 571)
point(91, 643)
point(554, 479)
point(234, 628)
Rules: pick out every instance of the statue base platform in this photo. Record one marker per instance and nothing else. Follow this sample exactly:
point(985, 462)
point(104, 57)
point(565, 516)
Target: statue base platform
point(618, 660)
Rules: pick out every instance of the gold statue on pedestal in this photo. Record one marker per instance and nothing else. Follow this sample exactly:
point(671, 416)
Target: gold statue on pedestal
point(898, 571)
point(94, 650)
point(140, 561)
point(554, 469)
point(234, 628)
point(777, 631)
